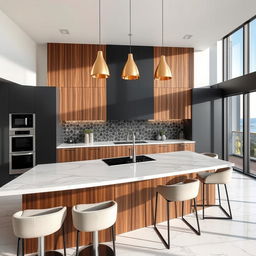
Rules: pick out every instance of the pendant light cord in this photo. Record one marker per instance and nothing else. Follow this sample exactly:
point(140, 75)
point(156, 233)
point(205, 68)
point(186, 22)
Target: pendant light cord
point(130, 24)
point(162, 23)
point(99, 21)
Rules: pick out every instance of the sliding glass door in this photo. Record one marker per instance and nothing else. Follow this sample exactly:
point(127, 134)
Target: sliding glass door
point(235, 131)
point(252, 128)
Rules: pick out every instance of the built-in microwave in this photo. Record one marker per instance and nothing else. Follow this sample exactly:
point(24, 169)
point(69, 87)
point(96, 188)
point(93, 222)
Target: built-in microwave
point(19, 121)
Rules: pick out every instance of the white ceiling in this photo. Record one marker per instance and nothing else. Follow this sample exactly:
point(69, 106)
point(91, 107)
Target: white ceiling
point(207, 20)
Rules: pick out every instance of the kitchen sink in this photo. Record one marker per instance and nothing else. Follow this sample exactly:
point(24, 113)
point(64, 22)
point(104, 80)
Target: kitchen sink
point(127, 160)
point(130, 142)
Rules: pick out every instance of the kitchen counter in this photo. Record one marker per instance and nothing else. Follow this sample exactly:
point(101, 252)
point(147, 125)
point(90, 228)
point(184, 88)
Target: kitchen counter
point(111, 143)
point(94, 173)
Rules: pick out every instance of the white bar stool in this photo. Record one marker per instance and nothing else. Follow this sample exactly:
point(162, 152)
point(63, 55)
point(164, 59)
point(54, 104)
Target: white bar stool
point(214, 155)
point(39, 223)
point(221, 176)
point(93, 218)
point(181, 191)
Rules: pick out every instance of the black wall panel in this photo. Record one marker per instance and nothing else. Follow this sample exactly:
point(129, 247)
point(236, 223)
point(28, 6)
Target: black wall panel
point(45, 109)
point(207, 120)
point(16, 98)
point(130, 100)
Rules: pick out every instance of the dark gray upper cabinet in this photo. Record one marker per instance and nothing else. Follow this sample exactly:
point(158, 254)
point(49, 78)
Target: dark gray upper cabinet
point(21, 99)
point(130, 100)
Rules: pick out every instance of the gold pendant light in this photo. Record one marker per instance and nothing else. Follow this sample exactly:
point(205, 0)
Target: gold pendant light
point(100, 68)
point(130, 70)
point(163, 71)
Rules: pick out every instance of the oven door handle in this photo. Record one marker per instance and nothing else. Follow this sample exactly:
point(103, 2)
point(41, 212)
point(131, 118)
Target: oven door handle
point(22, 154)
point(26, 121)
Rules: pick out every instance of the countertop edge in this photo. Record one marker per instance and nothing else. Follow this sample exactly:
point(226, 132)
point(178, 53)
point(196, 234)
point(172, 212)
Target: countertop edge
point(111, 144)
point(107, 183)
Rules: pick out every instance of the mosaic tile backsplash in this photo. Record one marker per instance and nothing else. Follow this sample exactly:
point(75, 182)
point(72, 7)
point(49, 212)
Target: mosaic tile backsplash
point(118, 130)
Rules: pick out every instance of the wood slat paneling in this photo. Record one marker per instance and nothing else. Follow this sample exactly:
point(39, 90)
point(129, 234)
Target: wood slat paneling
point(181, 62)
point(69, 65)
point(172, 103)
point(78, 104)
point(172, 98)
point(136, 202)
point(80, 96)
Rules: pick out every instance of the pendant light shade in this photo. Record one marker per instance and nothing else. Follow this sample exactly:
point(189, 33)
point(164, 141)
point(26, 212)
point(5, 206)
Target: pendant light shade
point(130, 70)
point(163, 71)
point(100, 68)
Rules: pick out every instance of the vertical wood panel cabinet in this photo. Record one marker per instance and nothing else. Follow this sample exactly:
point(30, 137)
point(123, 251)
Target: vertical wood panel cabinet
point(80, 96)
point(172, 98)
point(91, 153)
point(85, 98)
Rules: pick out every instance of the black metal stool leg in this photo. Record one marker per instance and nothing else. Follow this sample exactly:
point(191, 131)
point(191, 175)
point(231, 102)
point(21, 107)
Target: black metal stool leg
point(219, 194)
point(18, 247)
point(77, 242)
point(23, 247)
point(168, 222)
point(187, 223)
point(64, 240)
point(203, 201)
point(230, 213)
point(113, 238)
point(167, 245)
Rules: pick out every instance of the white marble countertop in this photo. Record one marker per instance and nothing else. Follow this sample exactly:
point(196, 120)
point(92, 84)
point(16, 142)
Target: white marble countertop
point(94, 173)
point(111, 143)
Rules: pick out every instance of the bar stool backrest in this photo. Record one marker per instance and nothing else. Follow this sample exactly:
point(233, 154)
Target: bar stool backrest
point(38, 223)
point(221, 176)
point(94, 217)
point(182, 191)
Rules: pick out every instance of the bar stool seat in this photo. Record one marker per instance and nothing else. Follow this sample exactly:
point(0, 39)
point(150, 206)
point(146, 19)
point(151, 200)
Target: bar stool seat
point(214, 155)
point(93, 218)
point(181, 191)
point(38, 223)
point(220, 177)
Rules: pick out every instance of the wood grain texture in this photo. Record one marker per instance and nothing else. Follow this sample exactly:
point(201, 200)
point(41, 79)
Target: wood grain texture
point(136, 202)
point(181, 62)
point(77, 104)
point(91, 153)
point(80, 96)
point(172, 98)
point(69, 65)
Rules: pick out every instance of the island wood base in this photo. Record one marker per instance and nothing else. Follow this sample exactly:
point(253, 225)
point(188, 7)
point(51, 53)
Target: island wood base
point(136, 204)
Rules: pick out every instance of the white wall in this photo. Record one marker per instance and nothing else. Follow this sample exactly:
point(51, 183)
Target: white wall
point(41, 65)
point(17, 53)
point(208, 66)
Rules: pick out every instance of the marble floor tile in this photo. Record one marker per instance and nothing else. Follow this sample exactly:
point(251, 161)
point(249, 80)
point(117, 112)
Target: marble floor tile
point(235, 237)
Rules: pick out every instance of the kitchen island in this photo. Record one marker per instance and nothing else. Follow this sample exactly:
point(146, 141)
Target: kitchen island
point(132, 186)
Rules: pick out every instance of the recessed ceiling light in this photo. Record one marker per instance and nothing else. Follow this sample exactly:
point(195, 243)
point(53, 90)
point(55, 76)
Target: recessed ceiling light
point(64, 31)
point(187, 37)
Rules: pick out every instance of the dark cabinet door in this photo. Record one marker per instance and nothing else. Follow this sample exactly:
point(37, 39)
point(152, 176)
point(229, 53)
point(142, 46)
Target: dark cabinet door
point(21, 99)
point(45, 109)
point(130, 100)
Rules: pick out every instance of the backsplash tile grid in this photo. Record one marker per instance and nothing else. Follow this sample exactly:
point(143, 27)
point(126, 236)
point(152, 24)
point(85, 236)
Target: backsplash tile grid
point(118, 130)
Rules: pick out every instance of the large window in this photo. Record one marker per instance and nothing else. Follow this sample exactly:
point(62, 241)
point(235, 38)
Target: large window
point(235, 131)
point(252, 128)
point(252, 44)
point(240, 133)
point(235, 54)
